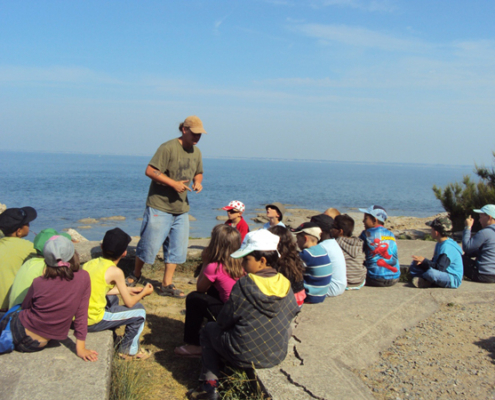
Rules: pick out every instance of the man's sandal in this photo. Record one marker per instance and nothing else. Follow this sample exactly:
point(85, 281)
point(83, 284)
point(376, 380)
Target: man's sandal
point(132, 281)
point(171, 291)
point(141, 355)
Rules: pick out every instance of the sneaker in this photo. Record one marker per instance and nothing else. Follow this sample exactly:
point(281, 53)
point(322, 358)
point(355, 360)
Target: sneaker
point(201, 392)
point(421, 283)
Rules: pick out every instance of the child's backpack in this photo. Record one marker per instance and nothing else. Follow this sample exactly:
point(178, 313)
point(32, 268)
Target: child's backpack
point(6, 342)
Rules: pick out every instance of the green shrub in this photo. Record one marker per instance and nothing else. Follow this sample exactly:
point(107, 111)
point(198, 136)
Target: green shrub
point(459, 199)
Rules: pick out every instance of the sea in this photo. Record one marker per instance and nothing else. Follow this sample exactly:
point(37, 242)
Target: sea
point(65, 188)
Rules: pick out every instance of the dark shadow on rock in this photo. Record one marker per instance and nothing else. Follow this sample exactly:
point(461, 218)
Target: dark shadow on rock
point(488, 345)
point(166, 334)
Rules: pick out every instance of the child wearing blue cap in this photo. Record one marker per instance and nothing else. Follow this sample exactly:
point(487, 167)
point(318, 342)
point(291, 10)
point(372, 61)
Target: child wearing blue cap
point(481, 246)
point(380, 248)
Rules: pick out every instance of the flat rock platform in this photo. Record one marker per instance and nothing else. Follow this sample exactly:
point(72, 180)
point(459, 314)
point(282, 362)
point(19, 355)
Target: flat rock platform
point(349, 331)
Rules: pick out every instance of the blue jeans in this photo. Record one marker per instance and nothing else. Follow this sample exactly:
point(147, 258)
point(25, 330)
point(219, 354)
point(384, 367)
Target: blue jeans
point(163, 229)
point(22, 342)
point(438, 278)
point(115, 316)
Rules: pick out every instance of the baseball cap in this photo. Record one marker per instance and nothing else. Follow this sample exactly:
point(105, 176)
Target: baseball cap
point(194, 124)
point(41, 238)
point(115, 242)
point(324, 221)
point(489, 209)
point(58, 251)
point(235, 205)
point(261, 239)
point(441, 224)
point(310, 228)
point(14, 218)
point(279, 207)
point(377, 211)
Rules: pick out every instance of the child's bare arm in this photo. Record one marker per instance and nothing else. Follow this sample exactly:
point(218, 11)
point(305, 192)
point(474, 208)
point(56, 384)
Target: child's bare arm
point(84, 353)
point(115, 275)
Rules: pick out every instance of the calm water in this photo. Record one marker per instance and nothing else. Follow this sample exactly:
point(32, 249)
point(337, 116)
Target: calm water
point(67, 187)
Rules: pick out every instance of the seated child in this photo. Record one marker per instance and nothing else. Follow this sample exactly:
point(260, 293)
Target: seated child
point(339, 279)
point(32, 268)
point(54, 301)
point(215, 281)
point(14, 251)
point(318, 268)
point(275, 214)
point(107, 281)
point(234, 210)
point(380, 249)
point(481, 246)
point(290, 264)
point(252, 330)
point(352, 247)
point(445, 269)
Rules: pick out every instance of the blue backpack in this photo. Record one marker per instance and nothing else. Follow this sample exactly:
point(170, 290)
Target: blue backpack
point(6, 342)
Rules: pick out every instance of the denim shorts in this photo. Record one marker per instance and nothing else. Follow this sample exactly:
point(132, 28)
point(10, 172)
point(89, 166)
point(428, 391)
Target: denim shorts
point(163, 229)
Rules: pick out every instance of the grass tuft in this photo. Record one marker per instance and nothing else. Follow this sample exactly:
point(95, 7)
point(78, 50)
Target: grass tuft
point(238, 386)
point(128, 381)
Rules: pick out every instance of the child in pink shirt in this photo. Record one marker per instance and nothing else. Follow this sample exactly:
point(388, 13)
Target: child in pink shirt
point(217, 277)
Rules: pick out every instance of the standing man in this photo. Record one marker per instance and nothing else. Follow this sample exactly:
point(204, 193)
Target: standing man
point(174, 166)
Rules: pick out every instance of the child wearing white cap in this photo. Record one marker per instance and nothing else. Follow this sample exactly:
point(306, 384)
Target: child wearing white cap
point(252, 330)
point(234, 211)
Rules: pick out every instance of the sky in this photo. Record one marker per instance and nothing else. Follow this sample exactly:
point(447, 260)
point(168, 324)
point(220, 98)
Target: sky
point(343, 80)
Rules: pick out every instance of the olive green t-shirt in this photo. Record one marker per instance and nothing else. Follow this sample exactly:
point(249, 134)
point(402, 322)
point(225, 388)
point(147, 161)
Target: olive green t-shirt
point(179, 164)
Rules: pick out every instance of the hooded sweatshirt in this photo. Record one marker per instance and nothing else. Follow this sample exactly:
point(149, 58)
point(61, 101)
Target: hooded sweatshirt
point(256, 319)
point(352, 247)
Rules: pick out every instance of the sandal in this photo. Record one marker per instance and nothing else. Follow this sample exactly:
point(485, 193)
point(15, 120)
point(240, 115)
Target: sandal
point(132, 281)
point(171, 291)
point(141, 355)
point(183, 352)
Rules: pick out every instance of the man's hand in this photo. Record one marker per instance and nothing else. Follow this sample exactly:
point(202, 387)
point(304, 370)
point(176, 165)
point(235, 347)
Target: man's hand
point(197, 187)
point(180, 186)
point(468, 223)
point(418, 259)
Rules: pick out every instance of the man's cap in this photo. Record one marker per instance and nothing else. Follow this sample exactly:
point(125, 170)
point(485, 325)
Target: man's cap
point(14, 218)
point(235, 205)
point(261, 239)
point(42, 237)
point(441, 224)
point(489, 209)
point(115, 242)
point(194, 124)
point(377, 211)
point(279, 207)
point(310, 228)
point(324, 221)
point(58, 251)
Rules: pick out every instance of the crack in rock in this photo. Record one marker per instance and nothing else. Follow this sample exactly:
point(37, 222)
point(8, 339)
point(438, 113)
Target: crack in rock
point(296, 354)
point(297, 339)
point(306, 390)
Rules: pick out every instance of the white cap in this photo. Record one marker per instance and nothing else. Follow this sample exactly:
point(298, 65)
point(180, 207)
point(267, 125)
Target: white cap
point(261, 239)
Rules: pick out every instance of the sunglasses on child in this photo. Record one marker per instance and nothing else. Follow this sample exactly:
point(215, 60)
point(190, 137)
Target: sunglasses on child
point(232, 211)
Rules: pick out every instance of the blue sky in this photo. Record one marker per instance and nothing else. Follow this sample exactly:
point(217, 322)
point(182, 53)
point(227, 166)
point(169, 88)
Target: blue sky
point(347, 80)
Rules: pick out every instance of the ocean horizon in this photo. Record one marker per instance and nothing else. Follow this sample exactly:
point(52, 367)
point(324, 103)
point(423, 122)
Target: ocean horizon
point(67, 187)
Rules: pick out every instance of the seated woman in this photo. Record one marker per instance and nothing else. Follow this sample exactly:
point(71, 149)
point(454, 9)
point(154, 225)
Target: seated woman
point(217, 277)
point(56, 299)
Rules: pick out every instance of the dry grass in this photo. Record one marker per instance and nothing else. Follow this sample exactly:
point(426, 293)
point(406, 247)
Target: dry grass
point(165, 375)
